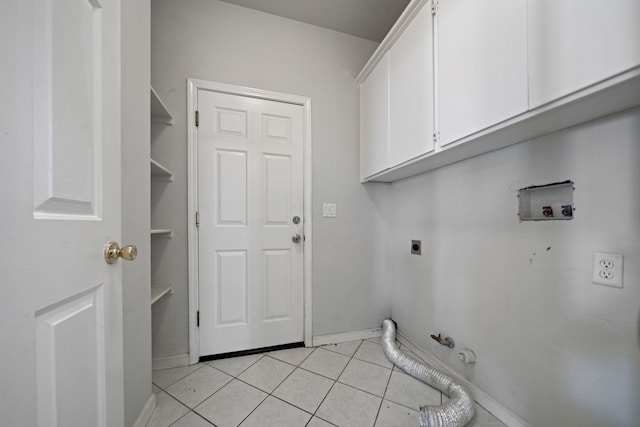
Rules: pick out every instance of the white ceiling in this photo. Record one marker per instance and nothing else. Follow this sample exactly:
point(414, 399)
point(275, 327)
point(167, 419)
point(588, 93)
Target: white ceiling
point(369, 19)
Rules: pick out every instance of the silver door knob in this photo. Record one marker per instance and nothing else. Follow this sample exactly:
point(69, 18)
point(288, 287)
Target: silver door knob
point(296, 238)
point(112, 252)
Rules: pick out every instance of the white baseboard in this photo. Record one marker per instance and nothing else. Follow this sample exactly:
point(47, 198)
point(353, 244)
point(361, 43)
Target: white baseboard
point(346, 336)
point(170, 361)
point(497, 409)
point(146, 412)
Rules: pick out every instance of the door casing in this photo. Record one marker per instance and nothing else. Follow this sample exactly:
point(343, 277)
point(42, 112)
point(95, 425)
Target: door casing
point(193, 85)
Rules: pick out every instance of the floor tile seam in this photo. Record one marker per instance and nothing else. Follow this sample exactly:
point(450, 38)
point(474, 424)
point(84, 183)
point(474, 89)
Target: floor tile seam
point(405, 406)
point(320, 418)
point(335, 382)
point(323, 376)
point(191, 411)
point(197, 404)
point(263, 355)
point(284, 361)
point(350, 386)
point(184, 376)
point(220, 370)
point(358, 388)
point(347, 364)
point(400, 371)
point(373, 363)
point(378, 412)
point(323, 400)
point(292, 404)
point(326, 347)
point(254, 409)
point(180, 402)
point(264, 391)
point(195, 408)
point(386, 387)
point(306, 357)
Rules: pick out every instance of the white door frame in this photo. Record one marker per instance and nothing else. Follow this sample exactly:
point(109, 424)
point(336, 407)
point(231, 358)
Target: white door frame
point(192, 182)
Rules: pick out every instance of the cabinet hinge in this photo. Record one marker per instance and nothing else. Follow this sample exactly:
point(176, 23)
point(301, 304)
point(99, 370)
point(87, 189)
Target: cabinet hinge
point(197, 118)
point(198, 318)
point(436, 136)
point(434, 7)
point(197, 219)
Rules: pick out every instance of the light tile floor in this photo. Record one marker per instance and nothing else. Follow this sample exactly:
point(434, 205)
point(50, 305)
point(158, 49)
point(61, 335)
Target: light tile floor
point(346, 385)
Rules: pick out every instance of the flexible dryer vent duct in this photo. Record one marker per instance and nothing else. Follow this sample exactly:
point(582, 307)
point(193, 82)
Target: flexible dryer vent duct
point(457, 412)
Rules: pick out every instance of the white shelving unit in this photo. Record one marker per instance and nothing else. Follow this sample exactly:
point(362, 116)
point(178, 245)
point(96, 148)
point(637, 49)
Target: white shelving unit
point(159, 114)
point(159, 171)
point(162, 232)
point(159, 292)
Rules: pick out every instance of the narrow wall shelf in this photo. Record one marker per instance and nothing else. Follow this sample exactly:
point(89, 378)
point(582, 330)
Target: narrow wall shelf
point(159, 113)
point(158, 292)
point(157, 170)
point(162, 232)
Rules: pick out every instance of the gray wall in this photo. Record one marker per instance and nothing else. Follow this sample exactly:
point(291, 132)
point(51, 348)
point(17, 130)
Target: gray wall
point(216, 41)
point(555, 348)
point(135, 204)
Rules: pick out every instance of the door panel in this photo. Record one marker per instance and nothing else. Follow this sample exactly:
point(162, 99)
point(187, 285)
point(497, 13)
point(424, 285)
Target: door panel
point(276, 192)
point(60, 302)
point(277, 284)
point(250, 180)
point(231, 188)
point(67, 112)
point(69, 340)
point(232, 287)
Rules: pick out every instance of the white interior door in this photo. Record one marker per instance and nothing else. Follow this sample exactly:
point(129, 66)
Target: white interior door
point(60, 302)
point(250, 181)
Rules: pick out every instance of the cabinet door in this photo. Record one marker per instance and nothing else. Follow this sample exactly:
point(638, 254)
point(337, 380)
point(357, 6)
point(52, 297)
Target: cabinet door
point(374, 123)
point(411, 90)
point(481, 60)
point(576, 43)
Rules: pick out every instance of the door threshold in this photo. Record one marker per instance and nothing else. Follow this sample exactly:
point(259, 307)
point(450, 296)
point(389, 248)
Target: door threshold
point(251, 351)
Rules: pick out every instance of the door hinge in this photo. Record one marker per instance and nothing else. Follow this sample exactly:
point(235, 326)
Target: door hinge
point(198, 318)
point(197, 219)
point(197, 118)
point(434, 7)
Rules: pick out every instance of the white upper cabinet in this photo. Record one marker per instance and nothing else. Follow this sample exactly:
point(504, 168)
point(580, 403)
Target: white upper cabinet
point(481, 62)
point(374, 120)
point(411, 90)
point(576, 43)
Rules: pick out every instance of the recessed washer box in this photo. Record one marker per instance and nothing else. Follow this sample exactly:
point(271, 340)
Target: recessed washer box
point(546, 202)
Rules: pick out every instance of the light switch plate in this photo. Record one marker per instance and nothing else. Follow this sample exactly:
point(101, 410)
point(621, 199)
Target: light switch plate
point(329, 210)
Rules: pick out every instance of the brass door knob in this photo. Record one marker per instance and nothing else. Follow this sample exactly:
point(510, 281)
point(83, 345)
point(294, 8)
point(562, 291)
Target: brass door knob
point(112, 252)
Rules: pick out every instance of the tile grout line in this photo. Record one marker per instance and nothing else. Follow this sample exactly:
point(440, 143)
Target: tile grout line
point(169, 385)
point(179, 402)
point(269, 394)
point(386, 387)
point(334, 381)
point(295, 367)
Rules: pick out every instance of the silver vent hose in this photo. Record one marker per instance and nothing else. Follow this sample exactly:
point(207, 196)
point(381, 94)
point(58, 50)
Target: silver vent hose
point(457, 412)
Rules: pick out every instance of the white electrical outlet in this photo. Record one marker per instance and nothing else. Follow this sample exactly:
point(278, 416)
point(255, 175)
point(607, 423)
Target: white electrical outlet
point(607, 269)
